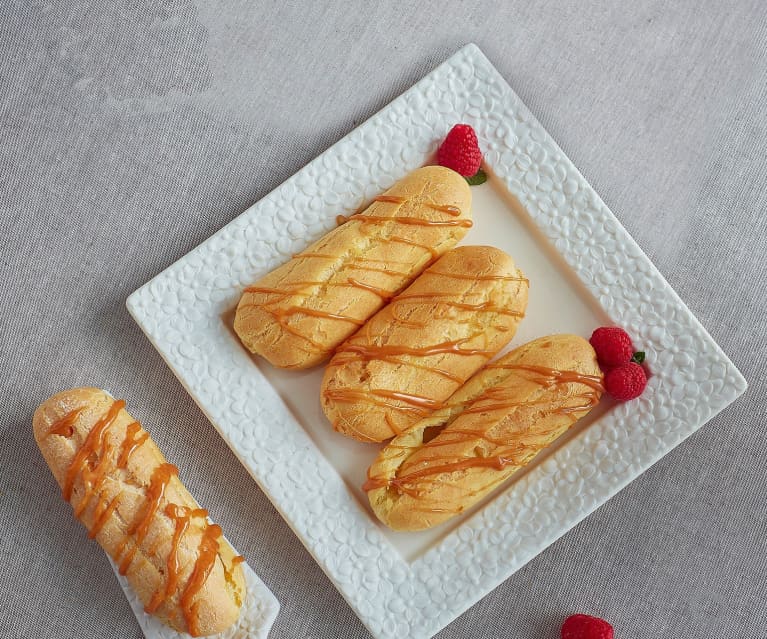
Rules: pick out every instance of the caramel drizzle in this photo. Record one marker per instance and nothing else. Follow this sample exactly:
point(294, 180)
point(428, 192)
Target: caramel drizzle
point(413, 403)
point(313, 312)
point(281, 314)
point(389, 352)
point(65, 426)
point(206, 558)
point(93, 473)
point(416, 404)
point(93, 442)
point(159, 480)
point(403, 240)
point(181, 516)
point(385, 294)
point(549, 376)
point(438, 371)
point(395, 199)
point(283, 293)
point(385, 271)
point(446, 208)
point(360, 265)
point(497, 462)
point(483, 278)
point(513, 452)
point(93, 478)
point(131, 443)
point(410, 221)
point(485, 307)
point(102, 513)
point(396, 400)
point(373, 351)
point(500, 401)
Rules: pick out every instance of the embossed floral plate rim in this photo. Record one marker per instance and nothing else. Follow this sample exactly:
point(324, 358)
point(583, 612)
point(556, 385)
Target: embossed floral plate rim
point(180, 311)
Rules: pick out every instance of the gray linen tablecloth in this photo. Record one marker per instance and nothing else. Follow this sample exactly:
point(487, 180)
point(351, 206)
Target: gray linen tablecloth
point(130, 131)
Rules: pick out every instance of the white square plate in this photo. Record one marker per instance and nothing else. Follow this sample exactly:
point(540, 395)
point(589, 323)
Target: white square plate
point(584, 270)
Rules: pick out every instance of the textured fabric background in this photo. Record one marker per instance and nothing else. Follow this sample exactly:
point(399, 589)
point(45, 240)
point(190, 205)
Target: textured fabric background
point(132, 130)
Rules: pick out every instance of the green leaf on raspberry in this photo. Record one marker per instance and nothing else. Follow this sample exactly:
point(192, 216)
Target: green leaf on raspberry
point(480, 177)
point(638, 357)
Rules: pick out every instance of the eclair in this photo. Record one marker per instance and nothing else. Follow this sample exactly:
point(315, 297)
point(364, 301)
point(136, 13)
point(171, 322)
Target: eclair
point(493, 426)
point(417, 351)
point(130, 499)
point(296, 315)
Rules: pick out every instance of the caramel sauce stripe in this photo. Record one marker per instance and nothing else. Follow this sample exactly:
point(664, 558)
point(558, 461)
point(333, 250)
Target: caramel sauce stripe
point(444, 208)
point(550, 376)
point(155, 494)
point(403, 240)
point(206, 558)
point(180, 517)
point(378, 397)
point(483, 307)
point(372, 351)
point(412, 403)
point(135, 437)
point(65, 426)
point(93, 442)
point(437, 371)
point(409, 221)
point(483, 278)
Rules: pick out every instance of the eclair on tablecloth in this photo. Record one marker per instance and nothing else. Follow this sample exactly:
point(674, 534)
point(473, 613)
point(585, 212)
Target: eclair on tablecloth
point(132, 502)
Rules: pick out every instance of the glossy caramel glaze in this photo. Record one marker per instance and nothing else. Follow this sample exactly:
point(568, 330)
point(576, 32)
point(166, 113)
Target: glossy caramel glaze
point(207, 554)
point(138, 529)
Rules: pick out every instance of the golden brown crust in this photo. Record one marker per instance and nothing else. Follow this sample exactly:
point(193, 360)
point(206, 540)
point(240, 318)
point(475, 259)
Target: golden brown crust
point(415, 352)
point(297, 314)
point(495, 424)
point(104, 478)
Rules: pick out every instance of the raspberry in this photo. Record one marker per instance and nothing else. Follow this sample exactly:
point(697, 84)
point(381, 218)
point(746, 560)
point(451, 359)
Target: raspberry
point(626, 382)
point(460, 151)
point(613, 346)
point(586, 627)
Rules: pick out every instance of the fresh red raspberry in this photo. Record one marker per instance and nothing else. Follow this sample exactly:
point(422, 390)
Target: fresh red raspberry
point(626, 382)
point(586, 627)
point(460, 151)
point(613, 346)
